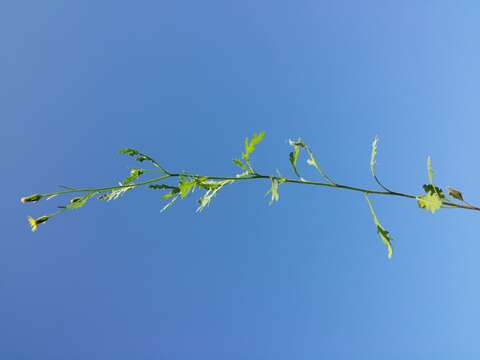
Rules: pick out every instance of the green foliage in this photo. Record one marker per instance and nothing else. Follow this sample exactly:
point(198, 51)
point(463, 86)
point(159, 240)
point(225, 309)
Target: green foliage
point(312, 160)
point(432, 189)
point(77, 203)
point(115, 193)
point(431, 200)
point(174, 192)
point(138, 156)
point(275, 196)
point(186, 186)
point(134, 175)
point(240, 164)
point(212, 188)
point(249, 149)
point(293, 156)
point(382, 232)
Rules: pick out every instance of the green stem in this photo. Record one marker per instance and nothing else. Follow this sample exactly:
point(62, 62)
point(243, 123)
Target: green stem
point(256, 176)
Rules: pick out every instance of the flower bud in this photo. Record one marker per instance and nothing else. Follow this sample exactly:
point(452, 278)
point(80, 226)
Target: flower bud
point(31, 198)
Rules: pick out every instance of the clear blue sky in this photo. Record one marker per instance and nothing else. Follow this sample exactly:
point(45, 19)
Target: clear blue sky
point(185, 81)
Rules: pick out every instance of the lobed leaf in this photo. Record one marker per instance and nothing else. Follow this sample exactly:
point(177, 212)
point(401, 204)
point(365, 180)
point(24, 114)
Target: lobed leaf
point(134, 175)
point(430, 202)
point(382, 232)
point(186, 186)
point(250, 148)
point(141, 157)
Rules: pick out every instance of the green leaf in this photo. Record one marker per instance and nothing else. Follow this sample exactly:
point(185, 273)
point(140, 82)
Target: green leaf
point(138, 156)
point(455, 193)
point(430, 202)
point(293, 156)
point(77, 203)
point(186, 186)
point(250, 148)
point(256, 139)
point(115, 193)
point(432, 189)
point(373, 157)
point(134, 174)
point(382, 232)
point(312, 161)
point(240, 164)
point(175, 191)
point(212, 187)
point(207, 184)
point(275, 196)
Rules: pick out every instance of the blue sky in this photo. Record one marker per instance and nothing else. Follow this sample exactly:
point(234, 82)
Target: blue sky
point(186, 81)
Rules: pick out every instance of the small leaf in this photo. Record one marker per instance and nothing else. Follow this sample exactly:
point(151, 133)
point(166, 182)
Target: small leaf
point(293, 156)
point(455, 193)
point(134, 174)
point(175, 191)
point(275, 196)
point(213, 187)
point(115, 193)
point(77, 203)
point(256, 139)
point(382, 232)
point(250, 148)
point(430, 202)
point(240, 164)
point(138, 156)
point(186, 186)
point(432, 189)
point(373, 157)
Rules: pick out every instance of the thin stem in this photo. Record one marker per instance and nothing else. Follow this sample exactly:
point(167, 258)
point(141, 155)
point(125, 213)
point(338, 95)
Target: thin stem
point(255, 176)
point(108, 188)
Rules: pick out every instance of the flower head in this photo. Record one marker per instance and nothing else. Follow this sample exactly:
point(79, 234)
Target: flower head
point(35, 222)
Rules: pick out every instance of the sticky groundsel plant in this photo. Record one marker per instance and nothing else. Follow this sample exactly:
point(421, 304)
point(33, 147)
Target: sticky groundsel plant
point(432, 199)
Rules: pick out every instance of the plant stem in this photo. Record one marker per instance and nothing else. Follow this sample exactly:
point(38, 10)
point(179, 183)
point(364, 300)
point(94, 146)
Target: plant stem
point(255, 176)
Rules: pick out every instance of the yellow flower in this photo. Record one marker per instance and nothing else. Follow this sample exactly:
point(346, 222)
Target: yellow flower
point(35, 222)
